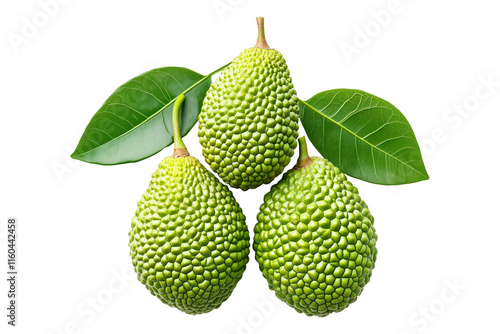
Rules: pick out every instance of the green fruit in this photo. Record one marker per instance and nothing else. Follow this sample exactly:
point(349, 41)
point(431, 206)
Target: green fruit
point(315, 240)
point(248, 125)
point(189, 242)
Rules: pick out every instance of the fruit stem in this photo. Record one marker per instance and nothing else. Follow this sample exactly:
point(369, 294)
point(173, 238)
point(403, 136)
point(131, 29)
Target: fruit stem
point(304, 158)
point(261, 37)
point(179, 147)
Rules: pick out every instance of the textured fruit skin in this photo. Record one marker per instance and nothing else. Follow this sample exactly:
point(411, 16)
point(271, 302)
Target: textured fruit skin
point(248, 124)
point(315, 240)
point(189, 242)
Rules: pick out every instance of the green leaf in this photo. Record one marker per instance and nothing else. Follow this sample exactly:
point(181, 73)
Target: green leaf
point(135, 122)
point(363, 135)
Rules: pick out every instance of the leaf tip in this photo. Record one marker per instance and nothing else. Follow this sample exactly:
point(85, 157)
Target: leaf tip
point(75, 156)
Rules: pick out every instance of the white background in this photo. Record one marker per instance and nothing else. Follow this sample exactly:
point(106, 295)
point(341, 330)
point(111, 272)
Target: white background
point(438, 265)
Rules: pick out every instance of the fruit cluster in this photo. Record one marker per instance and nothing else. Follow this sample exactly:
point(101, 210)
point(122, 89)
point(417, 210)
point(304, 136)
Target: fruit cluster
point(314, 239)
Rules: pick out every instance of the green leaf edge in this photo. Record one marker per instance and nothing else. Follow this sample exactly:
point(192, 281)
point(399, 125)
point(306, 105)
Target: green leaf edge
point(76, 156)
point(305, 103)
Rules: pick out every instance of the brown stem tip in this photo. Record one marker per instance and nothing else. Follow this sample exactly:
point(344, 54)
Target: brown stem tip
point(261, 37)
point(180, 152)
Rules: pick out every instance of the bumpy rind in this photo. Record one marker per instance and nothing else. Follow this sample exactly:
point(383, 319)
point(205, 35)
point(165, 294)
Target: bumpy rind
point(189, 242)
point(248, 124)
point(315, 240)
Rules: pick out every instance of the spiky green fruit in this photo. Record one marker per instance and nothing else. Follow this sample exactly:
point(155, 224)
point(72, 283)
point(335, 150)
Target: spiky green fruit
point(315, 239)
point(248, 125)
point(189, 242)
